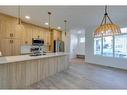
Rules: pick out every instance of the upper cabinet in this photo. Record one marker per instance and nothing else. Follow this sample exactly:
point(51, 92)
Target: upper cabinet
point(41, 33)
point(35, 32)
point(54, 35)
point(57, 35)
point(47, 37)
point(31, 31)
point(11, 39)
point(26, 35)
point(8, 29)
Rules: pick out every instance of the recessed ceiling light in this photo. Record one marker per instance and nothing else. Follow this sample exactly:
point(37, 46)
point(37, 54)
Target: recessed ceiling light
point(58, 27)
point(27, 17)
point(46, 23)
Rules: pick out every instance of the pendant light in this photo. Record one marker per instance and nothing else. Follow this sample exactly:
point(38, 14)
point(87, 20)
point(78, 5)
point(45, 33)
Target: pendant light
point(65, 21)
point(19, 26)
point(107, 28)
point(49, 27)
point(49, 13)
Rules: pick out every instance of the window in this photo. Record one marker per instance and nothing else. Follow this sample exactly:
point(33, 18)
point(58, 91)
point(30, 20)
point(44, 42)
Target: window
point(112, 46)
point(121, 46)
point(107, 46)
point(97, 46)
point(82, 39)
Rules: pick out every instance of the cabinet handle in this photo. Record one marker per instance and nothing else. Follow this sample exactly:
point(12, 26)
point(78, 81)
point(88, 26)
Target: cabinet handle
point(12, 41)
point(26, 42)
point(12, 34)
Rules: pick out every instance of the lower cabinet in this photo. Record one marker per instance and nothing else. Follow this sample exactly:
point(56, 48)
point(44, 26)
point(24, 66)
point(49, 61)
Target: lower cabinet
point(22, 74)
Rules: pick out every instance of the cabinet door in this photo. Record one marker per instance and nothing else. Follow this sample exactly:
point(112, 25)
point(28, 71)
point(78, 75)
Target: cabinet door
point(6, 46)
point(47, 37)
point(16, 32)
point(59, 35)
point(16, 46)
point(26, 35)
point(29, 35)
point(40, 33)
point(0, 29)
point(43, 33)
point(6, 29)
point(34, 32)
point(0, 35)
point(54, 35)
point(44, 37)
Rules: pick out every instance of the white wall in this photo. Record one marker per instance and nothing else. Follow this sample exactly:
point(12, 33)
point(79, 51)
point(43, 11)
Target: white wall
point(73, 45)
point(80, 46)
point(91, 58)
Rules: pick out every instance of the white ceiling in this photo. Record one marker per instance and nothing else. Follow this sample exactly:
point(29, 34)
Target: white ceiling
point(78, 17)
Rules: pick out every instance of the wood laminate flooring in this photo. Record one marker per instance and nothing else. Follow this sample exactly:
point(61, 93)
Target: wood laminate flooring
point(81, 75)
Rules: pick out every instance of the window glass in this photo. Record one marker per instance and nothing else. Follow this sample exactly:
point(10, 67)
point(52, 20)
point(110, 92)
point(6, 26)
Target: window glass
point(97, 46)
point(124, 30)
point(82, 39)
point(107, 46)
point(121, 46)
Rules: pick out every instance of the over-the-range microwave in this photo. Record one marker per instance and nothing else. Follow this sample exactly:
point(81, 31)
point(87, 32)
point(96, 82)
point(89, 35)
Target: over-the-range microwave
point(39, 42)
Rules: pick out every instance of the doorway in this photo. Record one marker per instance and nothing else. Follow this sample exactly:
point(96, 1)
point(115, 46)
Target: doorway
point(77, 46)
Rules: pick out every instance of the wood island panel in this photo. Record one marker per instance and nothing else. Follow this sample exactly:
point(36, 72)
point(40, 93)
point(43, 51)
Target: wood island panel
point(19, 75)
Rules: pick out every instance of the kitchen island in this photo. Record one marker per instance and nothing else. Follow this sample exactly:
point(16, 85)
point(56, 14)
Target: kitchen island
point(24, 70)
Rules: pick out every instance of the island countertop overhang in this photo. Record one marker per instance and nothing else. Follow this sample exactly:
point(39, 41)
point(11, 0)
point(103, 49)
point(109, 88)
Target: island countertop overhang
point(20, 58)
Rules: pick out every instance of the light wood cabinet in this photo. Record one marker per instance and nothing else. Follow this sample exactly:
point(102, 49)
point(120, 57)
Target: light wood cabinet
point(22, 74)
point(40, 33)
point(34, 32)
point(10, 47)
point(44, 37)
point(26, 35)
point(10, 38)
point(48, 36)
point(57, 35)
point(8, 30)
point(54, 35)
point(16, 46)
point(6, 47)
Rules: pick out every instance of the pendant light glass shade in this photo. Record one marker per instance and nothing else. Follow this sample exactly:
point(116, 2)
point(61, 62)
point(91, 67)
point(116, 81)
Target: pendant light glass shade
point(19, 26)
point(107, 28)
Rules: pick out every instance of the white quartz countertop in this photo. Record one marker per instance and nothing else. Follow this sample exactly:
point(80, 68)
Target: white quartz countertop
point(19, 58)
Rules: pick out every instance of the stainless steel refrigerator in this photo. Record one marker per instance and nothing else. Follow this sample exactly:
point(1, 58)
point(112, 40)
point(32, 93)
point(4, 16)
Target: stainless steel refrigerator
point(58, 46)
